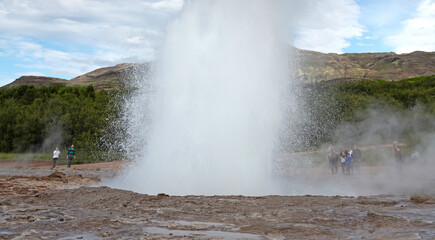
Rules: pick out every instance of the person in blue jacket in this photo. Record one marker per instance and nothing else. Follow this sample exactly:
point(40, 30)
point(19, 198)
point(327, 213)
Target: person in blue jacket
point(349, 167)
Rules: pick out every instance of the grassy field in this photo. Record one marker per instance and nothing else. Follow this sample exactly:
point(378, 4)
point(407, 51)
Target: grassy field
point(36, 157)
point(371, 156)
point(26, 156)
point(81, 157)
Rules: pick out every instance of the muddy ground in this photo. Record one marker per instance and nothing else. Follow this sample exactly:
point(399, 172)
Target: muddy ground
point(39, 203)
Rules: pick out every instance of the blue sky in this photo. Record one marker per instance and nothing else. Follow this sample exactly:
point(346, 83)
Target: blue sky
point(381, 19)
point(67, 38)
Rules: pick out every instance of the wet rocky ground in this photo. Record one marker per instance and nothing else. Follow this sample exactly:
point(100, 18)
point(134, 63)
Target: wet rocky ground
point(39, 203)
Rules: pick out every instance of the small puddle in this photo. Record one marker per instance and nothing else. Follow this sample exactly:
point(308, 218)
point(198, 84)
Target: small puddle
point(194, 225)
point(81, 236)
point(211, 224)
point(219, 234)
point(6, 233)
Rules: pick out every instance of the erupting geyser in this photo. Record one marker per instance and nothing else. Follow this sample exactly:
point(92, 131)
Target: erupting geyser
point(215, 110)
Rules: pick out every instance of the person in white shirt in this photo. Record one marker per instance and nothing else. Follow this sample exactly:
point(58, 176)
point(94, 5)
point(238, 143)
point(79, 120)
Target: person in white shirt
point(56, 154)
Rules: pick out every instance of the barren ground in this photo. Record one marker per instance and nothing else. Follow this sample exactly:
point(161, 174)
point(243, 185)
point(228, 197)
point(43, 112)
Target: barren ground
point(39, 203)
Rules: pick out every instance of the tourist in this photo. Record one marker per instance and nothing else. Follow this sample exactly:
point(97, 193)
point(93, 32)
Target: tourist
point(71, 155)
point(330, 159)
point(333, 160)
point(356, 158)
point(349, 167)
point(343, 162)
point(397, 155)
point(56, 154)
point(350, 151)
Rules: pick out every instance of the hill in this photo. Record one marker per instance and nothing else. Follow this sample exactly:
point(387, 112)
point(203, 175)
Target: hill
point(37, 81)
point(311, 67)
point(317, 67)
point(107, 78)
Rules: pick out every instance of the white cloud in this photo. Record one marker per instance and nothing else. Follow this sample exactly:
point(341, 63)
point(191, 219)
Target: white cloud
point(325, 25)
point(29, 74)
point(61, 62)
point(73, 37)
point(371, 37)
point(170, 5)
point(418, 32)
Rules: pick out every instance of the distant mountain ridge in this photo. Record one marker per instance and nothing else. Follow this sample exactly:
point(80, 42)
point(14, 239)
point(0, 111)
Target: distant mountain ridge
point(310, 67)
point(107, 78)
point(316, 67)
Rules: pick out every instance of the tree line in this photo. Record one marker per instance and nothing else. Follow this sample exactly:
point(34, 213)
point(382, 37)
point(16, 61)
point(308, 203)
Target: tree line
point(37, 119)
point(331, 106)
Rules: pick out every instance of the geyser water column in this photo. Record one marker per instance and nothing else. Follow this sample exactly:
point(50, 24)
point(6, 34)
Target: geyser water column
point(216, 108)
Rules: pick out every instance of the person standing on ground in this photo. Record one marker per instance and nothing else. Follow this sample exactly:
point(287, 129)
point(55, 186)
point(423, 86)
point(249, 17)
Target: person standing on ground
point(349, 167)
point(350, 151)
point(70, 155)
point(56, 154)
point(330, 158)
point(397, 155)
point(343, 162)
point(356, 158)
point(333, 160)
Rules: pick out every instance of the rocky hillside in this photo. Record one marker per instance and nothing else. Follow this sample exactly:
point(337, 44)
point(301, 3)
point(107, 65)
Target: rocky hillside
point(37, 81)
point(315, 66)
point(311, 67)
point(108, 78)
point(103, 78)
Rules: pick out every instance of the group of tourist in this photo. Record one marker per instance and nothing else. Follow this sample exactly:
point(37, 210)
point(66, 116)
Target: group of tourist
point(71, 154)
point(349, 159)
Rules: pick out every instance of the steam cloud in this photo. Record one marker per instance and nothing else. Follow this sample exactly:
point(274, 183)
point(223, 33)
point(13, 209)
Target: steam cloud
point(217, 113)
point(209, 120)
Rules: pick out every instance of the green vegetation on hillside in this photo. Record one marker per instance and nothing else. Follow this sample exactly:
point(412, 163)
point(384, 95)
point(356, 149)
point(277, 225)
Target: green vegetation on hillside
point(347, 112)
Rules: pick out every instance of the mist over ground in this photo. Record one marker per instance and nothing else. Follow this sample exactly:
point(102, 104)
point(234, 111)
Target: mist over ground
point(309, 172)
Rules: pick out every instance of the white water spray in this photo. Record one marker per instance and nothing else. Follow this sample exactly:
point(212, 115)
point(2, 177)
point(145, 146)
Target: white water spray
point(216, 108)
point(209, 119)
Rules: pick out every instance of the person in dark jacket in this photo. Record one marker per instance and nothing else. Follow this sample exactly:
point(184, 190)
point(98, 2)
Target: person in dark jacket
point(356, 158)
point(333, 160)
point(71, 154)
